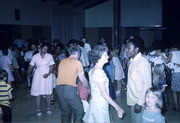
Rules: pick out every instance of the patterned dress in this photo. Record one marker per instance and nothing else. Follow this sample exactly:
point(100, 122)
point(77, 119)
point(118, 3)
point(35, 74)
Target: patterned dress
point(175, 85)
point(98, 110)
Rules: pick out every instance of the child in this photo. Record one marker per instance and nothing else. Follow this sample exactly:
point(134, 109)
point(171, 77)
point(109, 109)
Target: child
point(5, 95)
point(159, 81)
point(154, 103)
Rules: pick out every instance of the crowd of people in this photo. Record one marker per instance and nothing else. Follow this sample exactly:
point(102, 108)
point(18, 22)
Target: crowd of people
point(87, 80)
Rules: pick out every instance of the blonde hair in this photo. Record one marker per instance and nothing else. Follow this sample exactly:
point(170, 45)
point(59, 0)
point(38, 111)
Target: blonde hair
point(158, 93)
point(158, 71)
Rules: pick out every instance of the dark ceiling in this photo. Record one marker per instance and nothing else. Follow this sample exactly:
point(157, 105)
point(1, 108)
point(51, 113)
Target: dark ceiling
point(78, 3)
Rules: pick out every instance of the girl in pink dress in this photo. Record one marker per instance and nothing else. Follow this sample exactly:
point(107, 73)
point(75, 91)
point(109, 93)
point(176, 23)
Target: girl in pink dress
point(42, 83)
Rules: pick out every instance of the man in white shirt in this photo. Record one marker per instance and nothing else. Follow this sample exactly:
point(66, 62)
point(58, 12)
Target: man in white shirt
point(87, 46)
point(139, 78)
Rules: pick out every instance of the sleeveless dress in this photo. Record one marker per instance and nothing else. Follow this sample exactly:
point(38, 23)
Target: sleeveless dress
point(98, 110)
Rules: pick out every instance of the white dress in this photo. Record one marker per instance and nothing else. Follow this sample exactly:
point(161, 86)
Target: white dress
point(5, 61)
point(98, 110)
point(119, 73)
point(40, 85)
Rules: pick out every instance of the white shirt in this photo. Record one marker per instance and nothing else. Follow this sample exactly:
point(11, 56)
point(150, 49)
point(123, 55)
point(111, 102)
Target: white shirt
point(87, 47)
point(176, 59)
point(28, 55)
point(139, 80)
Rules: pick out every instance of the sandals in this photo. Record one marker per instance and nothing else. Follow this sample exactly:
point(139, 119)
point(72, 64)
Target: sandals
point(49, 111)
point(39, 113)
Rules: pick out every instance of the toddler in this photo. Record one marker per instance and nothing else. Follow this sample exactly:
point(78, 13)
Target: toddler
point(5, 96)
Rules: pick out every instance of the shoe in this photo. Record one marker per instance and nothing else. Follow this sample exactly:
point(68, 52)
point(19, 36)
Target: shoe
point(39, 113)
point(49, 111)
point(52, 103)
point(176, 109)
point(118, 93)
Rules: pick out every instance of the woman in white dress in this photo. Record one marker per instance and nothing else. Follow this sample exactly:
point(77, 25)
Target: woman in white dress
point(118, 73)
point(6, 64)
point(42, 83)
point(98, 110)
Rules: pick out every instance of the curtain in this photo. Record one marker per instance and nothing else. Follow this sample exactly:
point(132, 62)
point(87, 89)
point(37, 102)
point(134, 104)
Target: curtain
point(67, 25)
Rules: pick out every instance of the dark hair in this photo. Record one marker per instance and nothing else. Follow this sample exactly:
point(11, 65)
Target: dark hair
point(3, 74)
point(80, 43)
point(45, 45)
point(128, 38)
point(5, 51)
point(138, 43)
point(175, 45)
point(74, 49)
point(97, 52)
point(72, 41)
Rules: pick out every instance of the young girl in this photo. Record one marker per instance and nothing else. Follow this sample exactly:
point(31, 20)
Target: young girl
point(5, 96)
point(154, 103)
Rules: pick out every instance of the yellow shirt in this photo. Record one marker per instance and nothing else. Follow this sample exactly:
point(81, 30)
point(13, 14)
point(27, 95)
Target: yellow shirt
point(139, 80)
point(4, 93)
point(68, 71)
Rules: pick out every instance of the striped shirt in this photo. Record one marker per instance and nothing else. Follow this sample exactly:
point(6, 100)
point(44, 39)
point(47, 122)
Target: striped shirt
point(4, 93)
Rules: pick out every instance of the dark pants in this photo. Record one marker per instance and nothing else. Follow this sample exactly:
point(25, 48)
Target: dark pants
point(69, 100)
point(7, 113)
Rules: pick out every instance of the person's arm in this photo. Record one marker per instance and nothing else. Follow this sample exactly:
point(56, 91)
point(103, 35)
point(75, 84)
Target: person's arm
point(178, 65)
point(10, 94)
point(83, 80)
point(143, 82)
point(104, 93)
point(166, 59)
point(29, 70)
point(51, 68)
point(10, 66)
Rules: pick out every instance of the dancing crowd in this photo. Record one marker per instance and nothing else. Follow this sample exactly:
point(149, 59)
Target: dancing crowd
point(86, 81)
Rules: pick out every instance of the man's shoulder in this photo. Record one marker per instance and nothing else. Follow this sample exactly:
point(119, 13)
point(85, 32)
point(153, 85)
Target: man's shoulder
point(143, 59)
point(71, 60)
point(48, 54)
point(37, 55)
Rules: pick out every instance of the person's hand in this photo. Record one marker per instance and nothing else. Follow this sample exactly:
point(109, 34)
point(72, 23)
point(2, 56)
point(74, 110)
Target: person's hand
point(29, 74)
point(89, 91)
point(120, 112)
point(1, 112)
point(178, 65)
point(137, 108)
point(46, 75)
